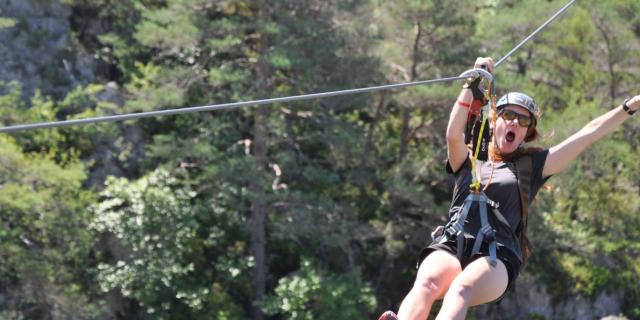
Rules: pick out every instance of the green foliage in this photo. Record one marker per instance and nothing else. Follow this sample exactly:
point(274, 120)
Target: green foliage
point(590, 217)
point(63, 144)
point(6, 22)
point(170, 28)
point(314, 293)
point(159, 223)
point(44, 240)
point(535, 316)
point(152, 88)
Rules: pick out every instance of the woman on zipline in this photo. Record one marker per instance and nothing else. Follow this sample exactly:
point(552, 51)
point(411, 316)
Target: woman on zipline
point(471, 277)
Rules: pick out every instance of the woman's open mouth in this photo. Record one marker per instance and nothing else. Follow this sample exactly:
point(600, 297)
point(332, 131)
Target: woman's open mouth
point(510, 136)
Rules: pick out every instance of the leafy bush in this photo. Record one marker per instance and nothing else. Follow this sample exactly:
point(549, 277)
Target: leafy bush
point(315, 293)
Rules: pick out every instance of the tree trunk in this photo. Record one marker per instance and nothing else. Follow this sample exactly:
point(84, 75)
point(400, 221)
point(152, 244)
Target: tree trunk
point(613, 83)
point(368, 147)
point(406, 112)
point(259, 206)
point(257, 224)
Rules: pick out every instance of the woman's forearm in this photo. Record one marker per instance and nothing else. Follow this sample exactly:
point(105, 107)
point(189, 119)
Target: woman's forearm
point(458, 116)
point(456, 148)
point(603, 125)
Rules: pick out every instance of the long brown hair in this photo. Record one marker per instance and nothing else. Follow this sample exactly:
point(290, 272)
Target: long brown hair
point(496, 155)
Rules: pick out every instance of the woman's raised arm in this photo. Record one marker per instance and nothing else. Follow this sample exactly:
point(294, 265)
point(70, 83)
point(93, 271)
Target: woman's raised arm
point(561, 155)
point(457, 150)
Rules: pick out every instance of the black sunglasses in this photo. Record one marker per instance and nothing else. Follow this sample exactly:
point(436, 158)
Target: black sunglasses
point(523, 121)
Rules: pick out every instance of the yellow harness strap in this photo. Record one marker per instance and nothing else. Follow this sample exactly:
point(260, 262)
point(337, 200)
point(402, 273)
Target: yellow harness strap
point(475, 185)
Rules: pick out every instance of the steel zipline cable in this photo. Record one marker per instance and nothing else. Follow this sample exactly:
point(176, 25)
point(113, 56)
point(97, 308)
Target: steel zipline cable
point(235, 105)
point(224, 106)
point(533, 34)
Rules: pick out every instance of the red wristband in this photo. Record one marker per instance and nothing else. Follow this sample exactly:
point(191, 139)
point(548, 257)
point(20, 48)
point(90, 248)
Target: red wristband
point(463, 104)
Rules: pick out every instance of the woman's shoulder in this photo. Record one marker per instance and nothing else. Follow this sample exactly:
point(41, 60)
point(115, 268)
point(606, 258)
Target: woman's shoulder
point(536, 153)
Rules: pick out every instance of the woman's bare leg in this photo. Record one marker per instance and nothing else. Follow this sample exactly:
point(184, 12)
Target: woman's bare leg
point(478, 283)
point(435, 274)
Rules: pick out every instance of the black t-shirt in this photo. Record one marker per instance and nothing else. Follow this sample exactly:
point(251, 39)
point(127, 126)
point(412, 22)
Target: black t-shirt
point(503, 190)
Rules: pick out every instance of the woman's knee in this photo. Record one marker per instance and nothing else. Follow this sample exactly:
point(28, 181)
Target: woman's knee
point(429, 285)
point(459, 290)
point(436, 273)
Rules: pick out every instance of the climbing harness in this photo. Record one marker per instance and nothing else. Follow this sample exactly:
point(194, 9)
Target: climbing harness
point(486, 232)
point(455, 227)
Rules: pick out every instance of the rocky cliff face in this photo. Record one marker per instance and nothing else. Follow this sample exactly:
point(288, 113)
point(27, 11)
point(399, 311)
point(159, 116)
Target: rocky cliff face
point(529, 298)
point(38, 50)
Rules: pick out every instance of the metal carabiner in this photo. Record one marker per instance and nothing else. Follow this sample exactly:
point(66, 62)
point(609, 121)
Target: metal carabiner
point(473, 74)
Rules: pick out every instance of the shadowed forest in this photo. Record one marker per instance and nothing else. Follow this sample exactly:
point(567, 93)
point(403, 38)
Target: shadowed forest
point(308, 210)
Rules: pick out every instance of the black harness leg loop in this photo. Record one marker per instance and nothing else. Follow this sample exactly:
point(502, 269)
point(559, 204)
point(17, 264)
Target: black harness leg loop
point(486, 232)
point(457, 229)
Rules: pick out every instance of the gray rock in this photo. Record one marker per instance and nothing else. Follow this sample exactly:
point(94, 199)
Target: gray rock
point(531, 299)
point(38, 50)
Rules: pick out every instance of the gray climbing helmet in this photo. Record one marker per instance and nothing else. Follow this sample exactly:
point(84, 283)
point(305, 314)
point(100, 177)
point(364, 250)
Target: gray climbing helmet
point(519, 99)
